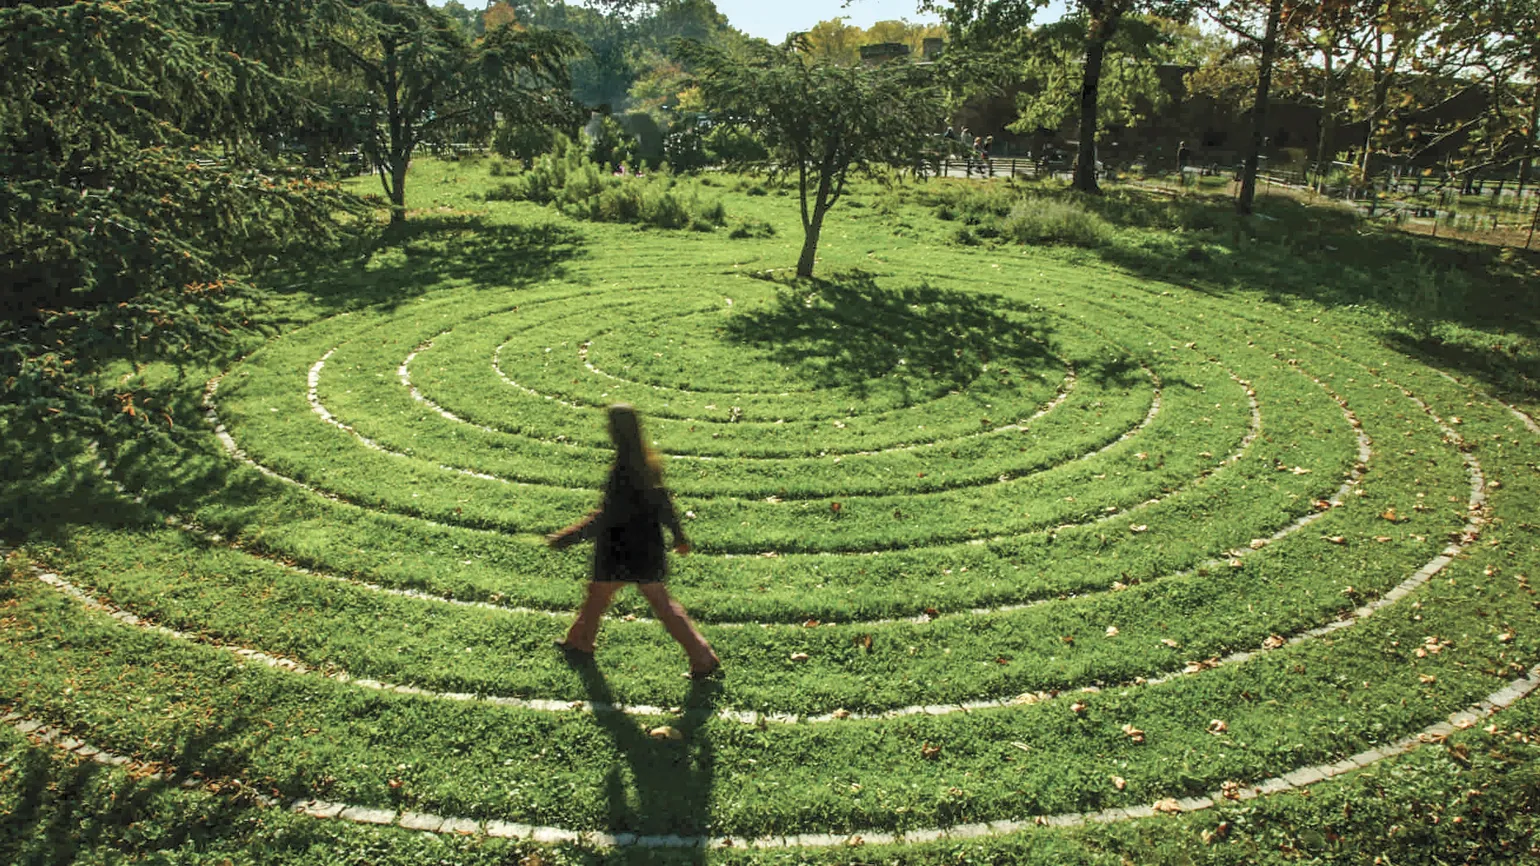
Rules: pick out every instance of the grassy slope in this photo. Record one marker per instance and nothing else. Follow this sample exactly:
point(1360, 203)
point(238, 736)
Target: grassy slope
point(194, 705)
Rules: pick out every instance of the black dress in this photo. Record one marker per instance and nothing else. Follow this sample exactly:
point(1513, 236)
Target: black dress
point(628, 531)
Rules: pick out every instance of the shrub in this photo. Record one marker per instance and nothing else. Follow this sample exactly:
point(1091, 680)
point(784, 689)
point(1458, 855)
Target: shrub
point(1041, 220)
point(583, 190)
point(752, 229)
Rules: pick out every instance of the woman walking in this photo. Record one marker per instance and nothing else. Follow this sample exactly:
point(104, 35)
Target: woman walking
point(627, 532)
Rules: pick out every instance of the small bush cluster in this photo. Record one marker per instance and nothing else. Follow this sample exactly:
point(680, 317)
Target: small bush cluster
point(583, 189)
point(1005, 212)
point(1035, 221)
point(752, 229)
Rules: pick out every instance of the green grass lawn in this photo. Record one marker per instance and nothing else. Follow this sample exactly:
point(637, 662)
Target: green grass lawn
point(1161, 504)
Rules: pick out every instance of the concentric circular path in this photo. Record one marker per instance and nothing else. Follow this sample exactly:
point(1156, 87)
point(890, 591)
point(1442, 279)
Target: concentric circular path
point(979, 555)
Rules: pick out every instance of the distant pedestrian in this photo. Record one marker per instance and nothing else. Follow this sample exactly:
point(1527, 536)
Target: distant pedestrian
point(627, 531)
point(1183, 156)
point(989, 166)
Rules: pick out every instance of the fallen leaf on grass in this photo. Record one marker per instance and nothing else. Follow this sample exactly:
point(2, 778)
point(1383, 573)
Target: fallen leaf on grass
point(1257, 543)
point(1382, 538)
point(929, 752)
point(1273, 642)
point(1169, 806)
point(1335, 539)
point(1119, 782)
point(1133, 733)
point(1230, 790)
point(1426, 678)
point(1020, 745)
point(799, 657)
point(1139, 527)
point(1169, 642)
point(666, 732)
point(1077, 707)
point(1112, 631)
point(1217, 726)
point(1211, 836)
point(841, 713)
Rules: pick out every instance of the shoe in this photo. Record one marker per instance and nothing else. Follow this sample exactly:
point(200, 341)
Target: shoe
point(705, 674)
point(572, 653)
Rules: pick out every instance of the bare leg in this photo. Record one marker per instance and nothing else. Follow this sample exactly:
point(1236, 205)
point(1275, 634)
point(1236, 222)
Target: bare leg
point(585, 629)
point(671, 614)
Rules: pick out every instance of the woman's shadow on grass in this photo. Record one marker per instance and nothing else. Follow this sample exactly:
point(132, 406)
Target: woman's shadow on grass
point(669, 802)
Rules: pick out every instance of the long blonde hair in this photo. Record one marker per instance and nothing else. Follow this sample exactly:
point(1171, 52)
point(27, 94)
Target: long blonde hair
point(632, 454)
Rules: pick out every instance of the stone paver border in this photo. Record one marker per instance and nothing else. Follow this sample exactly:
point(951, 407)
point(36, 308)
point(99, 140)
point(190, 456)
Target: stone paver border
point(1303, 777)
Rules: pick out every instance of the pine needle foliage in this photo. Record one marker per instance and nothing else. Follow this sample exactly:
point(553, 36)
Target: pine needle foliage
point(140, 191)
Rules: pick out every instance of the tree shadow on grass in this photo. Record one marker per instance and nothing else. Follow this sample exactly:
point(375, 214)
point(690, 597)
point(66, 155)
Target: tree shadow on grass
point(670, 794)
point(1470, 307)
point(433, 251)
point(62, 807)
point(848, 332)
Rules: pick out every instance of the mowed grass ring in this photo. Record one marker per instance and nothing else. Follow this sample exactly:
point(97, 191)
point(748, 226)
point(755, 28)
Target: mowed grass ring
point(1068, 534)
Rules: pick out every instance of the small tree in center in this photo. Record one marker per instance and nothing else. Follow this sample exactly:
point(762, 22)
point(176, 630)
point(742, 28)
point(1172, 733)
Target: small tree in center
point(821, 120)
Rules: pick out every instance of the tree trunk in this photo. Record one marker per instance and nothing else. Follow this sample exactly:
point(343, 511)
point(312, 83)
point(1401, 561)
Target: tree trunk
point(1103, 21)
point(1259, 110)
point(398, 147)
point(1323, 150)
point(397, 190)
point(1528, 163)
point(1386, 72)
point(810, 233)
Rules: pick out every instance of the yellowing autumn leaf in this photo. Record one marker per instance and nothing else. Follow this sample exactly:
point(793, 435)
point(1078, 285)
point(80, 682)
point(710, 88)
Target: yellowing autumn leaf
point(666, 732)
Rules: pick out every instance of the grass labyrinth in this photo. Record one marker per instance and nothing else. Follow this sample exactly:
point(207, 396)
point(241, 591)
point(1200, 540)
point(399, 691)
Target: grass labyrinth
point(1048, 539)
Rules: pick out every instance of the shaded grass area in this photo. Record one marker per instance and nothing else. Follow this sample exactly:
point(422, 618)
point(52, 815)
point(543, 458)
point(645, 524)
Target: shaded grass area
point(1474, 793)
point(1470, 308)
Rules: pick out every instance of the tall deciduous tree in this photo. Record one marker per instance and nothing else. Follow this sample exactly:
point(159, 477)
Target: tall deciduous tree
point(428, 81)
point(822, 121)
point(1258, 24)
point(1050, 69)
point(979, 25)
